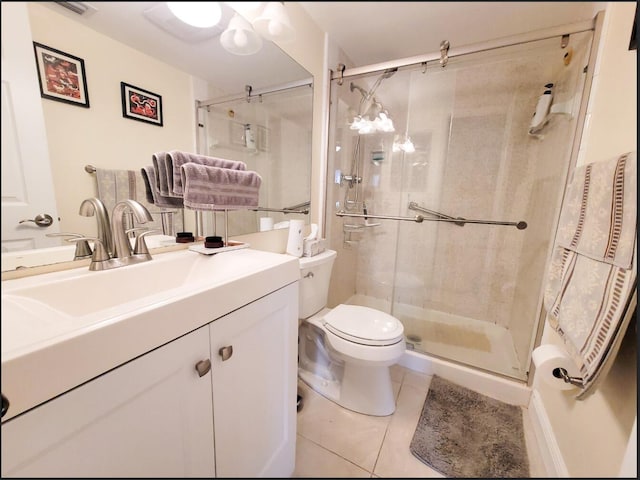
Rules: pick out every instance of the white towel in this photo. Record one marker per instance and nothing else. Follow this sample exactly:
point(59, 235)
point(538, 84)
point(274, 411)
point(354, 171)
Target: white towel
point(175, 159)
point(593, 269)
point(214, 188)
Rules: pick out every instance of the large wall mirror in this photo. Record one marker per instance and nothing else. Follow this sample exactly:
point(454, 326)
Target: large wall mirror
point(211, 100)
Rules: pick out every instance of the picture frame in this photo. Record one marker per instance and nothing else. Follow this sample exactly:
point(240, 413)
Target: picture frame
point(61, 76)
point(140, 104)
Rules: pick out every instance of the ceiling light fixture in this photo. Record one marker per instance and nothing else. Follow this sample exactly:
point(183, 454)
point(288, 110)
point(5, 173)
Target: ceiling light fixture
point(197, 14)
point(240, 38)
point(274, 24)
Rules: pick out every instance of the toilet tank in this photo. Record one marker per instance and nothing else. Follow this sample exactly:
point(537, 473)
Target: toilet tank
point(315, 273)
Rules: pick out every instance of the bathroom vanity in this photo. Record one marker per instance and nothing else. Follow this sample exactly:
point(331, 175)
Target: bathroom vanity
point(187, 367)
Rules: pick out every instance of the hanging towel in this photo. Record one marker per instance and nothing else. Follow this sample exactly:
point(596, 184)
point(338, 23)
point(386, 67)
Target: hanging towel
point(214, 188)
point(175, 159)
point(593, 269)
point(153, 194)
point(160, 166)
point(115, 185)
point(598, 219)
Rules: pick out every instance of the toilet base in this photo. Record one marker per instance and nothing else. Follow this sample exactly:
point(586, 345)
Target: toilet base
point(366, 390)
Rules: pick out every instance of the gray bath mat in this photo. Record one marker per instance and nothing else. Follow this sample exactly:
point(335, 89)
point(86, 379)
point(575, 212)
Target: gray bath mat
point(462, 433)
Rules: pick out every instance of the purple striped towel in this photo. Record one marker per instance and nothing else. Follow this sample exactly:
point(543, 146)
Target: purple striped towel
point(176, 158)
point(153, 192)
point(160, 168)
point(593, 269)
point(214, 188)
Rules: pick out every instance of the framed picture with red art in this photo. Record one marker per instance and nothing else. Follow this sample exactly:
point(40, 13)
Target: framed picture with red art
point(141, 105)
point(61, 76)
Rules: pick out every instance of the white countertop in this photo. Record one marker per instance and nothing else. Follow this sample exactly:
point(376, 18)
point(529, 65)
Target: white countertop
point(64, 328)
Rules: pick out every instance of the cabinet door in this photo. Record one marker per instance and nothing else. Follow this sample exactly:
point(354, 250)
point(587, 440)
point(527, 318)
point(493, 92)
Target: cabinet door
point(151, 417)
point(254, 387)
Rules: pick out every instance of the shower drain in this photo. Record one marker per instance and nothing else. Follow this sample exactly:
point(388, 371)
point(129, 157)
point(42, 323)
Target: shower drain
point(413, 338)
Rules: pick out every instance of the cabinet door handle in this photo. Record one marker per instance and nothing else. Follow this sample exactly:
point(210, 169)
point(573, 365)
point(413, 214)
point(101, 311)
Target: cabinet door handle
point(5, 404)
point(226, 352)
point(203, 367)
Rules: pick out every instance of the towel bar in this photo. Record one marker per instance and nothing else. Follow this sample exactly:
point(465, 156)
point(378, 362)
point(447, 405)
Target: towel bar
point(90, 169)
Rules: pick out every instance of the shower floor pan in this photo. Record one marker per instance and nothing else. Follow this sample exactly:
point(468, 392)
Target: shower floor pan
point(472, 342)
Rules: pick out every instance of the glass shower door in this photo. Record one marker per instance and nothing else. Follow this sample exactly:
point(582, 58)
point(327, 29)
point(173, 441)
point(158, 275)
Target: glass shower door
point(464, 148)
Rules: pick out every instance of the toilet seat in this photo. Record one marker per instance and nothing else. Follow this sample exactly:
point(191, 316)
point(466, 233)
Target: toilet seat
point(363, 325)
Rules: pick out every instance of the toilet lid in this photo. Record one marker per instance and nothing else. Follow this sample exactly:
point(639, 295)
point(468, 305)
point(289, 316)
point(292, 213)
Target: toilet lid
point(364, 325)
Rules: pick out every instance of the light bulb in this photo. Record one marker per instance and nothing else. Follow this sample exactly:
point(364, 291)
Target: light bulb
point(240, 38)
point(275, 28)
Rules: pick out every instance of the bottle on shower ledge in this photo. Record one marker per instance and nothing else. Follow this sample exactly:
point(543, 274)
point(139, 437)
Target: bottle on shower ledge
point(249, 139)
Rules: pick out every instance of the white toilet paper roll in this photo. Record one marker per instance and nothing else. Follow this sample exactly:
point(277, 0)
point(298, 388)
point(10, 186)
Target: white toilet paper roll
point(548, 358)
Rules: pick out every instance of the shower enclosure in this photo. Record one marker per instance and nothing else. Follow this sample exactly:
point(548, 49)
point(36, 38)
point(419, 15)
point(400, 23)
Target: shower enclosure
point(444, 190)
point(270, 131)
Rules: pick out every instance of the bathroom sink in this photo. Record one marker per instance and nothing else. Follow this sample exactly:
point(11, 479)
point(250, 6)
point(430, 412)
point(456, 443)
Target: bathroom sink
point(73, 325)
point(114, 291)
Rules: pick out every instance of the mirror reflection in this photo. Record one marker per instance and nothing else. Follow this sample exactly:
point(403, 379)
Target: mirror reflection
point(69, 139)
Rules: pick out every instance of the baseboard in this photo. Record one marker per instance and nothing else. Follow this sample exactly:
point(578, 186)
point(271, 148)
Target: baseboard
point(545, 438)
point(508, 391)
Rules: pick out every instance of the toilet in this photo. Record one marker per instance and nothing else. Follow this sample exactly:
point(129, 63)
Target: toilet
point(345, 352)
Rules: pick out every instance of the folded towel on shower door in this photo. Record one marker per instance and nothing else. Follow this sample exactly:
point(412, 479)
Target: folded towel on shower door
point(214, 188)
point(593, 269)
point(175, 159)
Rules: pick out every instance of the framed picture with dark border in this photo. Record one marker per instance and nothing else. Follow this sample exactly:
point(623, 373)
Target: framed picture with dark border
point(142, 105)
point(61, 76)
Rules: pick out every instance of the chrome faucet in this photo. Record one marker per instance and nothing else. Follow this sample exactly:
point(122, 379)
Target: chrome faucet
point(121, 243)
point(112, 247)
point(94, 206)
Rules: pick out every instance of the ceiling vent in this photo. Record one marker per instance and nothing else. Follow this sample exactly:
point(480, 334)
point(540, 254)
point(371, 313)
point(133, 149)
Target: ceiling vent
point(81, 8)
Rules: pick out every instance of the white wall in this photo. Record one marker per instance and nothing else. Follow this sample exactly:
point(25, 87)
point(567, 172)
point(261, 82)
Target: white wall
point(592, 434)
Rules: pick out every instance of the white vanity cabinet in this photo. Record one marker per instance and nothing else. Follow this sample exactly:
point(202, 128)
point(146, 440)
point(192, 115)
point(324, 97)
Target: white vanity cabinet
point(254, 374)
point(151, 417)
point(155, 416)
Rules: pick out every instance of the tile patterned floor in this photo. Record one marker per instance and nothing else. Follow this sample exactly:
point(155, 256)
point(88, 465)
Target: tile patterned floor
point(336, 442)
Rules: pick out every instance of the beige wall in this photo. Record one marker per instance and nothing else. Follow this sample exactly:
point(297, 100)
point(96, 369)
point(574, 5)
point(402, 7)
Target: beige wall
point(592, 434)
point(100, 135)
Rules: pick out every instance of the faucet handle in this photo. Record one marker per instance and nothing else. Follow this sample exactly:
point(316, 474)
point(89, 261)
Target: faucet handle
point(83, 250)
point(140, 247)
point(100, 253)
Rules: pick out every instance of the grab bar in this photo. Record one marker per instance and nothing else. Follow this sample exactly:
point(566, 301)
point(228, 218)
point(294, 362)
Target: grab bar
point(420, 219)
point(417, 218)
point(441, 217)
point(414, 206)
point(280, 210)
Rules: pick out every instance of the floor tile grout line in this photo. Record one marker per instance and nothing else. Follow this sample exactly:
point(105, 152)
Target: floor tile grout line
point(337, 454)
